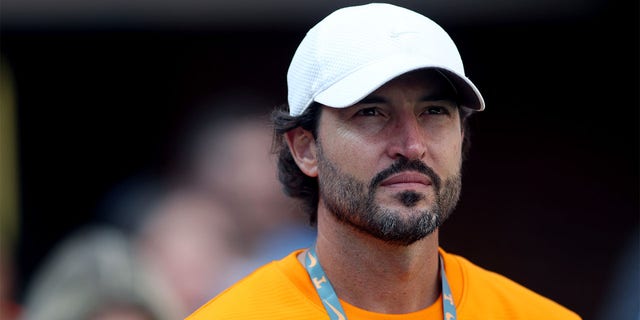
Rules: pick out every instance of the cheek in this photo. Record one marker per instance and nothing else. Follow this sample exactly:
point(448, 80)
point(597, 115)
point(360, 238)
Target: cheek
point(351, 152)
point(447, 153)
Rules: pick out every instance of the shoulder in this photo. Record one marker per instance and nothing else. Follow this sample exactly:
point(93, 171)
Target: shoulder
point(492, 295)
point(270, 292)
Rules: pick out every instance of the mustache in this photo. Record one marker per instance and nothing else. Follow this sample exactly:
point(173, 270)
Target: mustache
point(404, 164)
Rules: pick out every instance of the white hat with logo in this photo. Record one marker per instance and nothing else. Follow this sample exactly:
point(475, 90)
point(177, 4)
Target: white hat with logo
point(355, 50)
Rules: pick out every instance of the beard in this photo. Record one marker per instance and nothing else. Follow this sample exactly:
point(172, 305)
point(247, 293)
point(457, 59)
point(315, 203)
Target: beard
point(353, 202)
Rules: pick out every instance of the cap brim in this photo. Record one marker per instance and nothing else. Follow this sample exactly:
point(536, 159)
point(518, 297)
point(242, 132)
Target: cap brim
point(363, 81)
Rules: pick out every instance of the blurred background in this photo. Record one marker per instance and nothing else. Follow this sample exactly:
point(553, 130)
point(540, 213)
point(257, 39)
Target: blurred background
point(136, 180)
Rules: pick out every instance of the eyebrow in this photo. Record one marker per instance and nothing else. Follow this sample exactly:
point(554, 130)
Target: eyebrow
point(371, 99)
point(438, 96)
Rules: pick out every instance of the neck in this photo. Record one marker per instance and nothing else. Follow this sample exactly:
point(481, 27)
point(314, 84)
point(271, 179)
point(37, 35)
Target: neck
point(377, 276)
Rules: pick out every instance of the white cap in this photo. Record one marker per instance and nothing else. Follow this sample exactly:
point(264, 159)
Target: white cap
point(355, 50)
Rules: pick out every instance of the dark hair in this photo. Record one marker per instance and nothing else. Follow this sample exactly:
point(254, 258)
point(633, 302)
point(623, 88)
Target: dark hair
point(295, 183)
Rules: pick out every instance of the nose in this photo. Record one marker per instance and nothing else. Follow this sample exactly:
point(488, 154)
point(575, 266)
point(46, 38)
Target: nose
point(408, 140)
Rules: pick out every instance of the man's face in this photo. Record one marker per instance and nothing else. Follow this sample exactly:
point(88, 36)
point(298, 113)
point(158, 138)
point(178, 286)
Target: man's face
point(390, 164)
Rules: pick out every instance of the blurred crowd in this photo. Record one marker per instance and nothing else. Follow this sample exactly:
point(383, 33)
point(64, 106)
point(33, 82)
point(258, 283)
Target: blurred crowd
point(161, 245)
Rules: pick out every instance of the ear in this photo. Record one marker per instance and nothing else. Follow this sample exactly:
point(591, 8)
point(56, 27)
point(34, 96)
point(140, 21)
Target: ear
point(302, 145)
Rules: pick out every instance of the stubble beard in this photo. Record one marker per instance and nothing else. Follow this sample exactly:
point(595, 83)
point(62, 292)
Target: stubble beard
point(352, 202)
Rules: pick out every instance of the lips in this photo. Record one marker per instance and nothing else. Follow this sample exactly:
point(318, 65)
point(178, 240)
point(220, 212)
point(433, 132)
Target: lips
point(406, 178)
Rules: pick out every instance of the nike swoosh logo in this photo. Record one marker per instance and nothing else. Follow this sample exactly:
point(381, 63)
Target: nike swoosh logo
point(395, 34)
point(312, 260)
point(338, 313)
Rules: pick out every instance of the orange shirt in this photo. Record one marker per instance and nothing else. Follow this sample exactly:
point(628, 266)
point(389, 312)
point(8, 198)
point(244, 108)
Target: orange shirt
point(282, 290)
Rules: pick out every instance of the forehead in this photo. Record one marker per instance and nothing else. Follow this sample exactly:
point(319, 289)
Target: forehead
point(423, 82)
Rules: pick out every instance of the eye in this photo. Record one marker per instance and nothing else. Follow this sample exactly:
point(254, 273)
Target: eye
point(369, 112)
point(437, 110)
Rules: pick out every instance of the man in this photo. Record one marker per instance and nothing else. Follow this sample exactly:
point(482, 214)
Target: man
point(373, 143)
